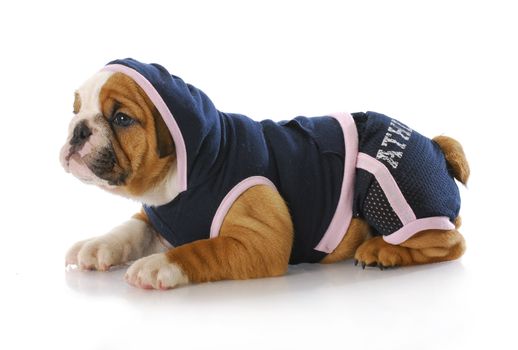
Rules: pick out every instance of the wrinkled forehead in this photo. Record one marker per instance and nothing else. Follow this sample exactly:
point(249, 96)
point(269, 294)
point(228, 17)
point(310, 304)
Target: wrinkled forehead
point(87, 96)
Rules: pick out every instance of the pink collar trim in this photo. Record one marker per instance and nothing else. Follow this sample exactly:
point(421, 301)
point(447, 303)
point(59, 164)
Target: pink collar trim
point(154, 96)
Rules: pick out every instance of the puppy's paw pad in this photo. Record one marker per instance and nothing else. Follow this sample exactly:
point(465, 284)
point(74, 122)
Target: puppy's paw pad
point(155, 272)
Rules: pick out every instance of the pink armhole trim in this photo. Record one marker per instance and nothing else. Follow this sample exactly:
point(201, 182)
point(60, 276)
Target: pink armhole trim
point(411, 228)
point(388, 185)
point(154, 96)
point(231, 197)
point(343, 213)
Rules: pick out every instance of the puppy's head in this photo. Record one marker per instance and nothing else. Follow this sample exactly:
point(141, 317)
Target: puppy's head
point(118, 140)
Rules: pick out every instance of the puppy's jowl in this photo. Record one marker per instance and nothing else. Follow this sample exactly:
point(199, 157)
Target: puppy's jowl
point(226, 197)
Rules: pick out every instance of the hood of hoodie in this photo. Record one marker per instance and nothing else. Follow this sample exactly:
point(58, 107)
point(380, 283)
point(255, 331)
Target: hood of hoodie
point(192, 119)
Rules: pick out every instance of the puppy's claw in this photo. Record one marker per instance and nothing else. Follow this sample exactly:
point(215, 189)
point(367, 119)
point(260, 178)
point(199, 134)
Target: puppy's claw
point(374, 264)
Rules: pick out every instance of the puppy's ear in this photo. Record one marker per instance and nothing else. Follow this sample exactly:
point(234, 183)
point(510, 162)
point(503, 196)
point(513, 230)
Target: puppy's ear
point(165, 143)
point(77, 102)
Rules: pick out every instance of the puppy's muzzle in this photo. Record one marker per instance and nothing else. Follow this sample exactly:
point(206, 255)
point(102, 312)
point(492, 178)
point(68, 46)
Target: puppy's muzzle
point(87, 149)
point(80, 135)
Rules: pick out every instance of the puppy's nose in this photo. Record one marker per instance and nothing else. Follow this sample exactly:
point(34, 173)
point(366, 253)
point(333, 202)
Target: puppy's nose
point(81, 134)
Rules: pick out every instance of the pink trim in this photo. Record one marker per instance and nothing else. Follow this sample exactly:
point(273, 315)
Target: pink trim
point(411, 225)
point(231, 197)
point(154, 96)
point(411, 228)
point(343, 213)
point(388, 185)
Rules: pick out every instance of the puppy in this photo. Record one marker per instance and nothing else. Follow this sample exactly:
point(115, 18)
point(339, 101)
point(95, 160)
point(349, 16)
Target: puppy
point(226, 197)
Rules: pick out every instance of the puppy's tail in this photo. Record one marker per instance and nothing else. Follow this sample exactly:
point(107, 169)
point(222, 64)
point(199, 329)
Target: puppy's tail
point(455, 157)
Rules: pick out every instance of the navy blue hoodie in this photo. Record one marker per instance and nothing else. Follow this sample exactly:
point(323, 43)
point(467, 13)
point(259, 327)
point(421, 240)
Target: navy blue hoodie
point(220, 155)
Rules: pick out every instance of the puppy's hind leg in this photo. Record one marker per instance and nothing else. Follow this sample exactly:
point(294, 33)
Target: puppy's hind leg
point(425, 247)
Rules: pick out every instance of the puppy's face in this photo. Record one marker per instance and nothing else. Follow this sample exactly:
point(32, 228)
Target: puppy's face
point(118, 141)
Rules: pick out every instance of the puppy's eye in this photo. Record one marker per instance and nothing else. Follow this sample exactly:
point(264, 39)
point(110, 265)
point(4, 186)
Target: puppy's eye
point(123, 120)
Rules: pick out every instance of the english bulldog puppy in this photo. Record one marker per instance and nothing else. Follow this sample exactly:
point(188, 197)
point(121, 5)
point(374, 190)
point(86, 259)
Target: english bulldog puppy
point(227, 197)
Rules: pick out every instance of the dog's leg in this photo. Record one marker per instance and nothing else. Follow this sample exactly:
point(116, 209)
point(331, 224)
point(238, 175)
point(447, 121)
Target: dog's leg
point(132, 240)
point(425, 247)
point(255, 241)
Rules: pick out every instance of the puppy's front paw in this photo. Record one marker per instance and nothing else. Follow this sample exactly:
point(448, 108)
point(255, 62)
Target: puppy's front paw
point(95, 254)
point(155, 272)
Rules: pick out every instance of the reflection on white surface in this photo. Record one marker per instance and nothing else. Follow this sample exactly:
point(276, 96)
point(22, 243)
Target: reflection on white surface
point(312, 306)
point(301, 280)
point(98, 309)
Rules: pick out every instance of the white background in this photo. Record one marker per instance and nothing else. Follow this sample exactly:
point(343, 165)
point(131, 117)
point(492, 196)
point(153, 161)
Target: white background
point(442, 67)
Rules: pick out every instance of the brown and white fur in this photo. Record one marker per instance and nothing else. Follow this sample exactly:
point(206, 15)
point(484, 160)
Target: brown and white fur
point(138, 162)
